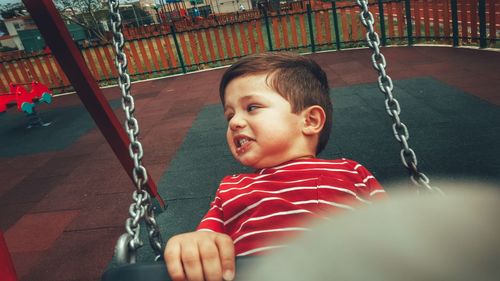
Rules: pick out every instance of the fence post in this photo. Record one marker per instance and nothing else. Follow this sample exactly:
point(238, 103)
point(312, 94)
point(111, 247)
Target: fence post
point(311, 29)
point(482, 23)
point(409, 27)
point(382, 22)
point(268, 30)
point(454, 22)
point(178, 49)
point(336, 24)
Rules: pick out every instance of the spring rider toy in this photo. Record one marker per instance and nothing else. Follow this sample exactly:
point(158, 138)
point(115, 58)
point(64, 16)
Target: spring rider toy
point(26, 101)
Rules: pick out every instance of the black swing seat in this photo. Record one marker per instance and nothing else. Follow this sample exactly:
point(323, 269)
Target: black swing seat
point(155, 271)
point(136, 272)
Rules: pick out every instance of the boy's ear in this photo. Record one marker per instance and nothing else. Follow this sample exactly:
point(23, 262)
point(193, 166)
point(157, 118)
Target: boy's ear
point(314, 120)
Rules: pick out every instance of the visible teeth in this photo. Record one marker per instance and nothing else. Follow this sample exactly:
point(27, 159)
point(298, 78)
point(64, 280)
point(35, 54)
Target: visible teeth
point(243, 141)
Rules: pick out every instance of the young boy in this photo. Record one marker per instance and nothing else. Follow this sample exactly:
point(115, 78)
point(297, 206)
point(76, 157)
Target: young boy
point(279, 113)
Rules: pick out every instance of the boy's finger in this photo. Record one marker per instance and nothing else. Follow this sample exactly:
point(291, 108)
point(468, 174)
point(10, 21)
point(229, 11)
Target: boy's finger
point(173, 261)
point(226, 253)
point(210, 259)
point(191, 261)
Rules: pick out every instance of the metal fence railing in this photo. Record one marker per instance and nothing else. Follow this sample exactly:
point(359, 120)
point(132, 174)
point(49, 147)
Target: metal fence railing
point(184, 46)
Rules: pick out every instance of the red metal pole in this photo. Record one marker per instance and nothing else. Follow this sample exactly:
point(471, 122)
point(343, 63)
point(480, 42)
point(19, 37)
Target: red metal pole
point(57, 37)
point(7, 270)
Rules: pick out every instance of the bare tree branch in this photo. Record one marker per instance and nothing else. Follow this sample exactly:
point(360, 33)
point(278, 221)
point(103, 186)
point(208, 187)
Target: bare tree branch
point(86, 13)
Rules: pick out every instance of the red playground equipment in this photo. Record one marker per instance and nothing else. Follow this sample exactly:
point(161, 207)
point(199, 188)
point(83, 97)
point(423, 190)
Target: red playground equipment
point(26, 101)
point(7, 270)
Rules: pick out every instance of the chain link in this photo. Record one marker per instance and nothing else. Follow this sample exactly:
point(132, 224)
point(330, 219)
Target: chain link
point(141, 209)
point(408, 156)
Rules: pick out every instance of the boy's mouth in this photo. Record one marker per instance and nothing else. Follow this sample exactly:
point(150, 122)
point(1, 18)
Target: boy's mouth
point(242, 141)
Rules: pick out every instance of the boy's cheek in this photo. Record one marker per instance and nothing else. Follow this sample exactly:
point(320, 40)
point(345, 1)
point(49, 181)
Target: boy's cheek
point(229, 140)
point(230, 144)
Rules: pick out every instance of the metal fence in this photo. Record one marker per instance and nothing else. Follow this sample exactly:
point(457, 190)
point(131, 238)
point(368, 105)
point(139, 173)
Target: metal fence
point(184, 46)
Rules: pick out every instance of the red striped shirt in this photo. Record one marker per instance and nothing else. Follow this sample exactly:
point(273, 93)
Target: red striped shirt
point(258, 210)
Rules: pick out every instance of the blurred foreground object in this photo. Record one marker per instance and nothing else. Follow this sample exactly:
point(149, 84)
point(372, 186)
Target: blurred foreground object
point(430, 237)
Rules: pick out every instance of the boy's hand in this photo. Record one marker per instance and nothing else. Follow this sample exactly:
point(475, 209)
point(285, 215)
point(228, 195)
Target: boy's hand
point(200, 255)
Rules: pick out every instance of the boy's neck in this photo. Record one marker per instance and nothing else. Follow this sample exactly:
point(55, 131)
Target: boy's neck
point(304, 157)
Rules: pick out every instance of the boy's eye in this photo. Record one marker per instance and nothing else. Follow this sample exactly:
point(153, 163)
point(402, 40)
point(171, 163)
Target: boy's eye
point(229, 116)
point(252, 107)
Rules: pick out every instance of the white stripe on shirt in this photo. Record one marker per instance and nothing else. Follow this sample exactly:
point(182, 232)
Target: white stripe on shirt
point(205, 229)
point(367, 178)
point(287, 171)
point(346, 191)
point(336, 204)
point(269, 230)
point(272, 215)
point(377, 191)
point(260, 250)
point(270, 192)
point(215, 207)
point(262, 181)
point(251, 207)
point(211, 219)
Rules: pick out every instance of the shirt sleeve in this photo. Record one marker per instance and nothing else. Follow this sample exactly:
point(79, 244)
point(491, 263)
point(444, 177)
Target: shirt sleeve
point(213, 219)
point(373, 189)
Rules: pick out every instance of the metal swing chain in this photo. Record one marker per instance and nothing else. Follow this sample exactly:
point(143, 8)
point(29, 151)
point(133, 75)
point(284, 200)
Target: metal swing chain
point(141, 208)
point(408, 156)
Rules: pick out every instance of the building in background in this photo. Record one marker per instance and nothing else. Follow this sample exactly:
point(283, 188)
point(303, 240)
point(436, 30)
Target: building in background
point(181, 8)
point(13, 26)
point(24, 35)
point(229, 6)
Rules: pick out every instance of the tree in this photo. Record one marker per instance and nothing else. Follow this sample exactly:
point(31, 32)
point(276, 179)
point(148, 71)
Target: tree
point(135, 16)
point(89, 14)
point(11, 10)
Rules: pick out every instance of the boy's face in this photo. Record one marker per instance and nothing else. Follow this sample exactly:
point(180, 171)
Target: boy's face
point(262, 130)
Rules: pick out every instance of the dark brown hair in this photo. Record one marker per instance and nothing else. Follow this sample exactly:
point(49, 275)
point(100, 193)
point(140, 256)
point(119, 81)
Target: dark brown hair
point(298, 79)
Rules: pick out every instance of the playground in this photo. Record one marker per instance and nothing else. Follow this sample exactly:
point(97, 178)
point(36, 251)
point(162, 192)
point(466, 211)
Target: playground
point(65, 195)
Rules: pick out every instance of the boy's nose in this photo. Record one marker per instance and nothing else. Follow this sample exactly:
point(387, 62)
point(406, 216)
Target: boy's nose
point(236, 123)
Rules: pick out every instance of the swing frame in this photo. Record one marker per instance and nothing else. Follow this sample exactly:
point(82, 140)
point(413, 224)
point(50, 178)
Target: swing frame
point(59, 40)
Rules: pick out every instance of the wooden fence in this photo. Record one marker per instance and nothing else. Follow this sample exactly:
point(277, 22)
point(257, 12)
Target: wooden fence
point(166, 50)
